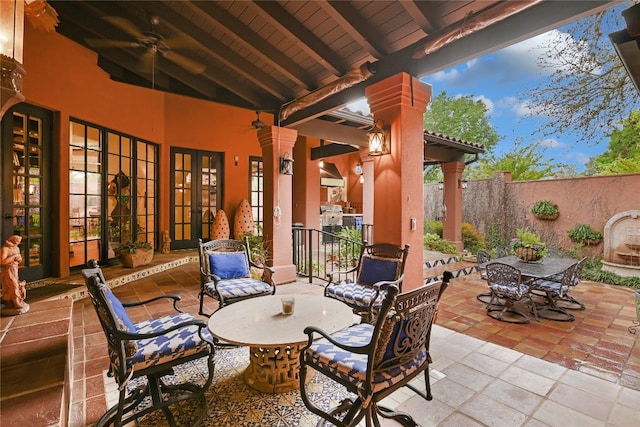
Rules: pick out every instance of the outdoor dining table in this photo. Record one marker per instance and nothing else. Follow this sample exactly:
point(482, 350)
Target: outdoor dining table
point(544, 268)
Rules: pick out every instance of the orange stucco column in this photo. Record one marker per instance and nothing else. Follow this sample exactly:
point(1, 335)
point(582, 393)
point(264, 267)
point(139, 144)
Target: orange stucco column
point(452, 218)
point(275, 142)
point(400, 102)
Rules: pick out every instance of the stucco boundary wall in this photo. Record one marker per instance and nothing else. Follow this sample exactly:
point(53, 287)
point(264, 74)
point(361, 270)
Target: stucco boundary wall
point(500, 204)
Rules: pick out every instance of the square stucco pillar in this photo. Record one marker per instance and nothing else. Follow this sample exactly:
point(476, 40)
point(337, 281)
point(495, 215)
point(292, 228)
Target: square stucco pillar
point(275, 142)
point(400, 102)
point(452, 218)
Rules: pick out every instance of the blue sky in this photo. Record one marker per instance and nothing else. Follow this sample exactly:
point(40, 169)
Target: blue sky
point(499, 79)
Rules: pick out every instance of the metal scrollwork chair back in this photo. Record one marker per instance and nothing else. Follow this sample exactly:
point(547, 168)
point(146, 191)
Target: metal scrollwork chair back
point(152, 349)
point(378, 266)
point(373, 360)
point(228, 274)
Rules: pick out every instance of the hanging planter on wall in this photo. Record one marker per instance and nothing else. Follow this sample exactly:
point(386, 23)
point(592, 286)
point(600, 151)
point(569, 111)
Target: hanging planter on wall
point(545, 210)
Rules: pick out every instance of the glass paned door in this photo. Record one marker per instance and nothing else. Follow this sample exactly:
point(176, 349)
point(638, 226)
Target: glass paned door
point(26, 140)
point(195, 195)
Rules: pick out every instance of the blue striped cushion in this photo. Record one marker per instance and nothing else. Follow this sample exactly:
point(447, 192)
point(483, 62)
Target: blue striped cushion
point(352, 367)
point(164, 348)
point(508, 289)
point(238, 288)
point(550, 286)
point(355, 294)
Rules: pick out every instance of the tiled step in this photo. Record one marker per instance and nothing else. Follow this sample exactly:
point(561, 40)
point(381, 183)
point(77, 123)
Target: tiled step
point(434, 268)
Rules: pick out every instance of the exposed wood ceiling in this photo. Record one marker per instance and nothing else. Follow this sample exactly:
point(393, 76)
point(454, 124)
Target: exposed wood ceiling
point(262, 55)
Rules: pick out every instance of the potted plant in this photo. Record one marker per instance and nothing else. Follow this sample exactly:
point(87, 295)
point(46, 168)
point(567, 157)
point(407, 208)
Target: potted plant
point(134, 254)
point(527, 246)
point(583, 233)
point(545, 210)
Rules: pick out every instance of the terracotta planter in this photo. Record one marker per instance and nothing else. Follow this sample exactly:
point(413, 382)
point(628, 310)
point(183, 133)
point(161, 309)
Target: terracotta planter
point(527, 254)
point(547, 217)
point(587, 242)
point(140, 257)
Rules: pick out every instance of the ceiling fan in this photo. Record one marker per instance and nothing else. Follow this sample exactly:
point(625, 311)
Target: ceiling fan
point(151, 41)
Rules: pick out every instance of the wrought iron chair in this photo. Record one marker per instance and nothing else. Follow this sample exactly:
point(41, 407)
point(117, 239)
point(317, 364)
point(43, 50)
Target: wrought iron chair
point(483, 257)
point(150, 350)
point(507, 289)
point(554, 290)
point(567, 301)
point(378, 266)
point(227, 273)
point(374, 360)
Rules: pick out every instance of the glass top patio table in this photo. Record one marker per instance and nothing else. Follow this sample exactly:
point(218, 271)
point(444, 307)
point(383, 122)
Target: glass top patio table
point(546, 267)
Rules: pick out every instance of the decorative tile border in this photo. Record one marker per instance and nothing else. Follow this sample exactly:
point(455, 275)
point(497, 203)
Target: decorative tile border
point(141, 274)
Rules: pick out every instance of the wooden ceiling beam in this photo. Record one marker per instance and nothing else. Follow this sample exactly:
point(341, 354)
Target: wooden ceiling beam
point(256, 44)
point(307, 41)
point(354, 25)
point(222, 53)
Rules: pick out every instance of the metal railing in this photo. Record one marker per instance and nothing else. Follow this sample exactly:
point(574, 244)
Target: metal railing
point(317, 253)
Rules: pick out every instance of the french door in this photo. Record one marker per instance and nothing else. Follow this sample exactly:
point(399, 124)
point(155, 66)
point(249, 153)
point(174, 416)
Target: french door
point(26, 188)
point(196, 195)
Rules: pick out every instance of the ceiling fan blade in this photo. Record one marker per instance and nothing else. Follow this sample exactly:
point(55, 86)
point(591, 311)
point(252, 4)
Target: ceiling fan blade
point(125, 25)
point(194, 67)
point(104, 43)
point(146, 64)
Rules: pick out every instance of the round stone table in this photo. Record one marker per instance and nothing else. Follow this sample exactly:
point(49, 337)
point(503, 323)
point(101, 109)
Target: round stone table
point(275, 339)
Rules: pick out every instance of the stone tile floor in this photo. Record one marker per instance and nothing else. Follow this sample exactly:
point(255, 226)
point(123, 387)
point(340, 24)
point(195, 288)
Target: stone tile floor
point(485, 372)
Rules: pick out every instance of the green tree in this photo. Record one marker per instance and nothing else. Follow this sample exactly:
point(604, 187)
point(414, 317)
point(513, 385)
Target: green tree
point(524, 161)
point(588, 90)
point(461, 117)
point(623, 153)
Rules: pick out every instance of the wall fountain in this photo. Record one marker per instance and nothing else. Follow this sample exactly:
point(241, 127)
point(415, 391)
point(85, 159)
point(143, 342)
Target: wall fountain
point(622, 244)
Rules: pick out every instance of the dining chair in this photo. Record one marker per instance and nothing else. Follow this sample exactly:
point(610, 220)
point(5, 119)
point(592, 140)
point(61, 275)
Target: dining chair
point(508, 293)
point(553, 291)
point(568, 302)
point(482, 257)
point(379, 265)
point(143, 355)
point(228, 274)
point(372, 361)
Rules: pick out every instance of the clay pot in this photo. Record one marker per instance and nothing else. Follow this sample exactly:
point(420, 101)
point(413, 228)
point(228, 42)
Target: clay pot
point(140, 257)
point(243, 222)
point(220, 226)
point(527, 254)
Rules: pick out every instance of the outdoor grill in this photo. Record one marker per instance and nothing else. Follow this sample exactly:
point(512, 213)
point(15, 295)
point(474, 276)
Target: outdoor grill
point(331, 215)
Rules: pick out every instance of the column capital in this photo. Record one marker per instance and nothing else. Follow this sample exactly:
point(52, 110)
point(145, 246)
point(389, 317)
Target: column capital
point(400, 89)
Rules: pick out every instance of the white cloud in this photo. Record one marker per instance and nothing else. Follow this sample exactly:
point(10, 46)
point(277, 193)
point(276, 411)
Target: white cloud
point(552, 143)
point(486, 101)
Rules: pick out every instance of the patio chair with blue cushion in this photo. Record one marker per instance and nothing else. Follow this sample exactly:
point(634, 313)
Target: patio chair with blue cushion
point(554, 290)
point(228, 275)
point(143, 356)
point(509, 294)
point(378, 266)
point(567, 301)
point(483, 257)
point(371, 361)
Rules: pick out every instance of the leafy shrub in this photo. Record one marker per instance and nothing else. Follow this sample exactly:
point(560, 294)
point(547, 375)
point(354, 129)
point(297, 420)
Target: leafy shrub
point(471, 238)
point(433, 227)
point(544, 207)
point(433, 242)
point(131, 247)
point(593, 271)
point(583, 232)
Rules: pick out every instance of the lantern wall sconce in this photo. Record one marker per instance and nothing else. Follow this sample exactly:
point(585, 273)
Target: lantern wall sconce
point(11, 48)
point(379, 139)
point(286, 164)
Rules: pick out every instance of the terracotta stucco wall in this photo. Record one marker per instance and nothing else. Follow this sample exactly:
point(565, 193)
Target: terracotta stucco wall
point(499, 203)
point(63, 76)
